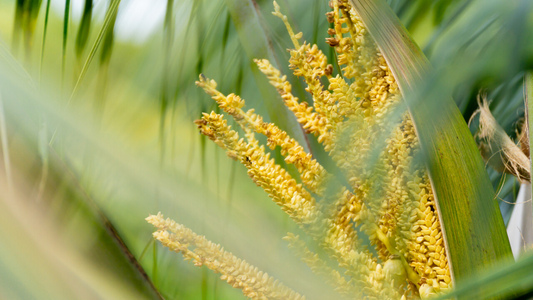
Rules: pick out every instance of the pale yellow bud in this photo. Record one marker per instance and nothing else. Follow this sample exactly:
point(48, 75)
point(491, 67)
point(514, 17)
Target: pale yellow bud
point(426, 291)
point(395, 271)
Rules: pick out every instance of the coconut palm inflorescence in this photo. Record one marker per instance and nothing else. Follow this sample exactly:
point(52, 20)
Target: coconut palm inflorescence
point(387, 197)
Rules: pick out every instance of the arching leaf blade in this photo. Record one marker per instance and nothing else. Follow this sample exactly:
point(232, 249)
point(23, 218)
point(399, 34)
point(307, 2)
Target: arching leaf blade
point(466, 200)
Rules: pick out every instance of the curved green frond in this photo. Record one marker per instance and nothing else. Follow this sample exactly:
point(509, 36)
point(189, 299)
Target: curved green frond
point(465, 197)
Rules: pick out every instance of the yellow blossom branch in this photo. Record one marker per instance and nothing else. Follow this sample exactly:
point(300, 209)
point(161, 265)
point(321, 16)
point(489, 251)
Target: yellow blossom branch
point(313, 175)
point(231, 104)
point(238, 273)
point(263, 170)
point(312, 122)
point(294, 37)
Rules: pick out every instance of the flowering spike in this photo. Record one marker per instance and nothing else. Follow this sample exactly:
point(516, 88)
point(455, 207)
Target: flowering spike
point(282, 188)
point(312, 174)
point(236, 272)
point(294, 37)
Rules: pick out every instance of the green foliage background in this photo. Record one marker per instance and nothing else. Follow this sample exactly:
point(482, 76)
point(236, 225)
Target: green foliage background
point(124, 145)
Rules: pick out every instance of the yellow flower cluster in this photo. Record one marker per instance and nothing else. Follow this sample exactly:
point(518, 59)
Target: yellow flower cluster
point(388, 197)
point(237, 272)
point(293, 198)
point(311, 121)
point(426, 248)
point(311, 172)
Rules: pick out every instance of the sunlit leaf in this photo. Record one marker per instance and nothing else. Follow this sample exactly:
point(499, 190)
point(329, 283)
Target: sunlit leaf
point(462, 187)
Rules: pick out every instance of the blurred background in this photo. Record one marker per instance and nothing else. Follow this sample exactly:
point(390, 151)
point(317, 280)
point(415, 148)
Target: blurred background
point(97, 103)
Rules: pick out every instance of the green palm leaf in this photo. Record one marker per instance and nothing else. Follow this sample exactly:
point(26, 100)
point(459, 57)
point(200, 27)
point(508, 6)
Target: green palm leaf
point(463, 190)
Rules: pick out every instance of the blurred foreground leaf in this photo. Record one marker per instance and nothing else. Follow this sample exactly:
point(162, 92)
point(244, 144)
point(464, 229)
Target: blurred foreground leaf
point(503, 281)
point(257, 44)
